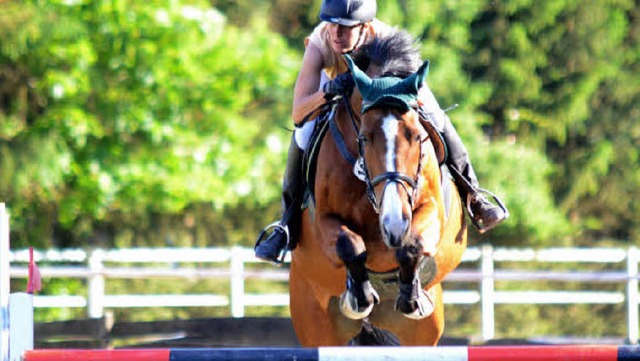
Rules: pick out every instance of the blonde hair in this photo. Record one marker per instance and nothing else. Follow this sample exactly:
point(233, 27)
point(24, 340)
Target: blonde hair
point(334, 63)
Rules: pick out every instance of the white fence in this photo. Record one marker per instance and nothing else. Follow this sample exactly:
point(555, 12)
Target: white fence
point(480, 267)
point(97, 266)
point(237, 265)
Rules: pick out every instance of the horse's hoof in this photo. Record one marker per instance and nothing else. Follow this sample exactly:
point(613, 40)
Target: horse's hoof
point(368, 289)
point(349, 304)
point(424, 309)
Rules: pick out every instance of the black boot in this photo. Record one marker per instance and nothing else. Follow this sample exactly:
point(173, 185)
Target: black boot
point(484, 214)
point(286, 231)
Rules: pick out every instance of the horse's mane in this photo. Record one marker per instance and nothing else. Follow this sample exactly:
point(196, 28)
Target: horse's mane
point(394, 54)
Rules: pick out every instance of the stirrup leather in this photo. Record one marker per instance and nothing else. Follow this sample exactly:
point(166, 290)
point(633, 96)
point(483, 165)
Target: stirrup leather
point(497, 200)
point(275, 225)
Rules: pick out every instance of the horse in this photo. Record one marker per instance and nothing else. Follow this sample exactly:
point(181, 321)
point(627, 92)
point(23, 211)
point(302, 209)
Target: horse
point(376, 243)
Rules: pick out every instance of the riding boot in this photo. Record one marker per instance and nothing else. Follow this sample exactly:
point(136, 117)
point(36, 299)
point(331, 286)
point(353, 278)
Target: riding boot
point(286, 231)
point(484, 214)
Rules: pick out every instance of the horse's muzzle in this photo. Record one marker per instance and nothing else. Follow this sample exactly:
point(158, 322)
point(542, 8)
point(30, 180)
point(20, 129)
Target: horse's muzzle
point(394, 223)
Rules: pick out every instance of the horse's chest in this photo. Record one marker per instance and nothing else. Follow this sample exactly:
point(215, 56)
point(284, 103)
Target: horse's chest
point(342, 194)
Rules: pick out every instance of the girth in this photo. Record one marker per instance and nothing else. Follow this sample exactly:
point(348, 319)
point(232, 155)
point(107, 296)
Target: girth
point(386, 283)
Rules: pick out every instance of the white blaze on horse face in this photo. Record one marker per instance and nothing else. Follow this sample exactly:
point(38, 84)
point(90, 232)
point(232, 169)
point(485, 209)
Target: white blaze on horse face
point(394, 225)
point(390, 129)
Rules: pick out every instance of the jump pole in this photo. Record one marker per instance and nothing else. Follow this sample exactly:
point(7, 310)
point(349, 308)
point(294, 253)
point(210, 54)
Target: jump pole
point(444, 353)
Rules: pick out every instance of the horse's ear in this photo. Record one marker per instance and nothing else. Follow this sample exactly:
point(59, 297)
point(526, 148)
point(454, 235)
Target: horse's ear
point(421, 75)
point(415, 81)
point(361, 79)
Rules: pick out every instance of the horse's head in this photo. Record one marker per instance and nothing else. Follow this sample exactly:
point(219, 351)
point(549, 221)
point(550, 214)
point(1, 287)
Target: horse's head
point(390, 144)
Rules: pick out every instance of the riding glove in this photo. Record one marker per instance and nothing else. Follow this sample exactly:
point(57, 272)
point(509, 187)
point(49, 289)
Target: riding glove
point(342, 85)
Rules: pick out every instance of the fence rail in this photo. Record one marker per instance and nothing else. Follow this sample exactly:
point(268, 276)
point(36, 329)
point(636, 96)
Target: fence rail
point(237, 265)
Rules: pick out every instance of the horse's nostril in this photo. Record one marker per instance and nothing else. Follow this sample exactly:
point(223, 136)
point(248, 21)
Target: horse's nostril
point(394, 231)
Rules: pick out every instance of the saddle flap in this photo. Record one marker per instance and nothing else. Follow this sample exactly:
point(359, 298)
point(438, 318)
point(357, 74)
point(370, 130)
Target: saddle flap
point(310, 156)
point(437, 140)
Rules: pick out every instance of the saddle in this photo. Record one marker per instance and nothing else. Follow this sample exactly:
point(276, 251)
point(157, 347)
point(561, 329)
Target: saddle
point(310, 156)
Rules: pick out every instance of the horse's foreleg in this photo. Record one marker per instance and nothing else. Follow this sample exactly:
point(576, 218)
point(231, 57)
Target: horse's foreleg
point(358, 299)
point(413, 301)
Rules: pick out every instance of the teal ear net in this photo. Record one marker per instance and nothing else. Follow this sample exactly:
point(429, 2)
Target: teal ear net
point(388, 91)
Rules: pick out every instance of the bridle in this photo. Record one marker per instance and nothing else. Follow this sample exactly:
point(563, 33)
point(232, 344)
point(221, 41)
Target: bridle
point(387, 177)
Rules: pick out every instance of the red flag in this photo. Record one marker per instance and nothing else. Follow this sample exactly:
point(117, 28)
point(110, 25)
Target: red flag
point(35, 281)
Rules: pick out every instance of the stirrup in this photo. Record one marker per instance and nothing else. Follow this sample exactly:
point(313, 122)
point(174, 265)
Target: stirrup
point(497, 200)
point(263, 233)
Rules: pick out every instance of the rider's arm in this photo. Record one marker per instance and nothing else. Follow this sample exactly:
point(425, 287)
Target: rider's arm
point(306, 96)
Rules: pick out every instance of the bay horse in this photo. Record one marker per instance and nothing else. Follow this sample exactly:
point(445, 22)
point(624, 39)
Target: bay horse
point(372, 253)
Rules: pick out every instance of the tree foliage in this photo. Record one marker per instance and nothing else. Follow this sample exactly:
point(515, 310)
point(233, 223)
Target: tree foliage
point(115, 110)
point(162, 123)
point(565, 84)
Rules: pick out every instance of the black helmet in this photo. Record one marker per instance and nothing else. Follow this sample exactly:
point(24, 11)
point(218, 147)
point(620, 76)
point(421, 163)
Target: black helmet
point(348, 12)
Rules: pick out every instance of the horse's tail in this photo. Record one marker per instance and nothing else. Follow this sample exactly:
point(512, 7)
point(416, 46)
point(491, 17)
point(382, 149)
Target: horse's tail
point(371, 335)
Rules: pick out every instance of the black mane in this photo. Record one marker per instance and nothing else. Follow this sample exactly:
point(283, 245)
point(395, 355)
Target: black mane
point(395, 54)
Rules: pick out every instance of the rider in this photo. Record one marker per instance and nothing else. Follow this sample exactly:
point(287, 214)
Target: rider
point(346, 25)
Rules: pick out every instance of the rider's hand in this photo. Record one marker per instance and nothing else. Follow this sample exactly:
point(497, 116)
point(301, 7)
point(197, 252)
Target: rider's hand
point(342, 85)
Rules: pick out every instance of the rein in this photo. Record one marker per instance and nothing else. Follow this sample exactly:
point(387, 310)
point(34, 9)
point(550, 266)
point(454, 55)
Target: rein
point(337, 135)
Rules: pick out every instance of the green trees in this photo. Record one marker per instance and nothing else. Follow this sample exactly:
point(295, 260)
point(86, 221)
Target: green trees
point(116, 110)
point(563, 74)
point(117, 117)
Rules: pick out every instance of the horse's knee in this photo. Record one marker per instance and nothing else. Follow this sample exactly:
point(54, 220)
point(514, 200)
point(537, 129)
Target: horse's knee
point(410, 253)
point(350, 248)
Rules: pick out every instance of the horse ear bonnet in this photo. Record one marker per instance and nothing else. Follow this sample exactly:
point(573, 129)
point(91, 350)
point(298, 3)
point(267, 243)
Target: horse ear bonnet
point(388, 91)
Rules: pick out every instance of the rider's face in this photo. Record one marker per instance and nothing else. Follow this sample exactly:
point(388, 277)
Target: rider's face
point(344, 38)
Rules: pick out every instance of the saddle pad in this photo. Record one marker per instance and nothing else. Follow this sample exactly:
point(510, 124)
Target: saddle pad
point(447, 189)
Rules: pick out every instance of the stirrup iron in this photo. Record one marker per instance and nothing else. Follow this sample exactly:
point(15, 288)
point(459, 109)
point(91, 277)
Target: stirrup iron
point(265, 231)
point(495, 199)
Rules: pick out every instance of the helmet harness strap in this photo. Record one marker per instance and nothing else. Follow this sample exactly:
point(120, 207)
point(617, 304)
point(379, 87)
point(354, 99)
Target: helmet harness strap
point(358, 42)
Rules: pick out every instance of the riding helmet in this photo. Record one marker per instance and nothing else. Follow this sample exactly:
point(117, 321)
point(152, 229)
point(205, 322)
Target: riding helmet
point(348, 12)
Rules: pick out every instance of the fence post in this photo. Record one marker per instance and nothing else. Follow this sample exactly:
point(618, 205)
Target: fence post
point(632, 295)
point(237, 282)
point(487, 298)
point(21, 319)
point(95, 297)
point(5, 278)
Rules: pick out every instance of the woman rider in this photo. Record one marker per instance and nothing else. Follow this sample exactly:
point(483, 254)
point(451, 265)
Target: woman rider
point(346, 25)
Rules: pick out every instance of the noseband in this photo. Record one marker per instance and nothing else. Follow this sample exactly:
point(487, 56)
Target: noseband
point(389, 177)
